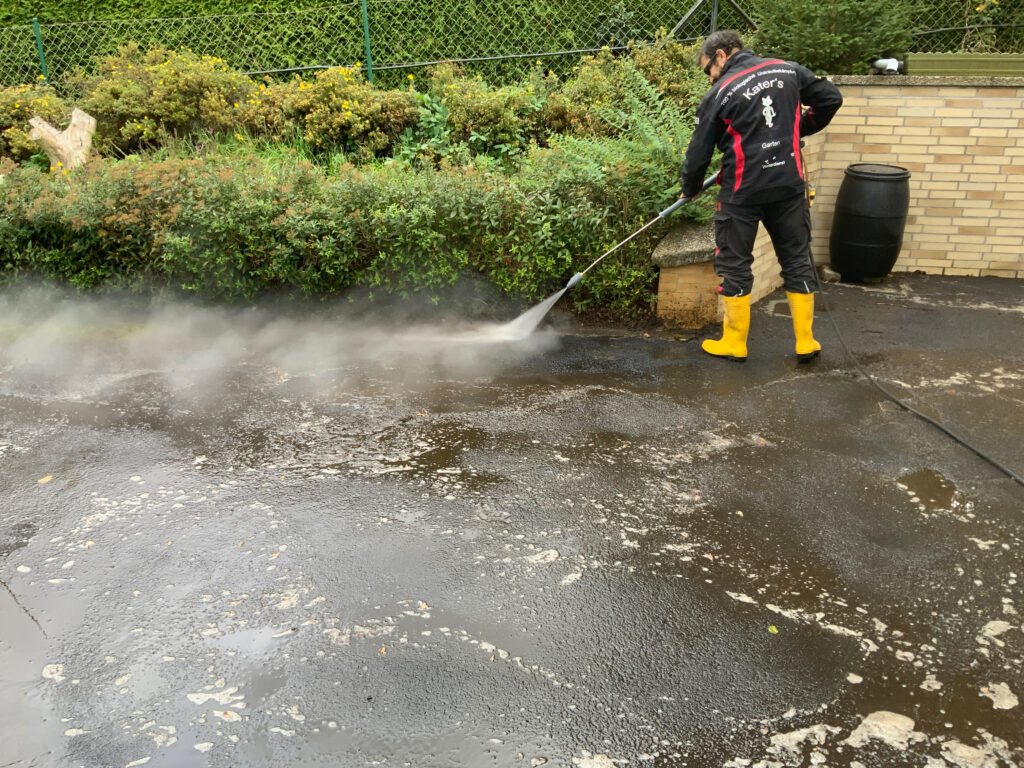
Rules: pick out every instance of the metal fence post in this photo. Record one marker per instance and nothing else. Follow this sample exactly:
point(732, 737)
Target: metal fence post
point(366, 42)
point(39, 45)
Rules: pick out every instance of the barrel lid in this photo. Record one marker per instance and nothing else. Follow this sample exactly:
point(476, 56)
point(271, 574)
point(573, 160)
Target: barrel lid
point(877, 171)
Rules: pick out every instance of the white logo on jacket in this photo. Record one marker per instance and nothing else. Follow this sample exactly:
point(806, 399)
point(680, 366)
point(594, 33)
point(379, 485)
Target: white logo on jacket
point(768, 111)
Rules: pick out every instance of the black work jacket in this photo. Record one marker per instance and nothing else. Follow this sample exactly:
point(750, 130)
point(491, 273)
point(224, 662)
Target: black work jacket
point(753, 114)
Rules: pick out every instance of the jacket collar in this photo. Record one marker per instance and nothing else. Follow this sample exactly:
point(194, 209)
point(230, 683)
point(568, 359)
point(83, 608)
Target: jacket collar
point(738, 61)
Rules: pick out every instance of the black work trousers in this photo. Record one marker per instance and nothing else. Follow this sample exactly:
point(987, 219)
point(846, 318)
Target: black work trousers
point(788, 223)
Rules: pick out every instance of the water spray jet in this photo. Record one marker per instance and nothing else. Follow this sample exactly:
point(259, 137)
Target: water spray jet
point(526, 323)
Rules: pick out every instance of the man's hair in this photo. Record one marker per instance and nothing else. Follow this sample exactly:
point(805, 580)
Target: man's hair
point(726, 39)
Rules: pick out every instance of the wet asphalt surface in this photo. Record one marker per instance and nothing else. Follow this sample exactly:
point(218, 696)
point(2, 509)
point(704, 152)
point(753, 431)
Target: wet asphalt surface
point(234, 540)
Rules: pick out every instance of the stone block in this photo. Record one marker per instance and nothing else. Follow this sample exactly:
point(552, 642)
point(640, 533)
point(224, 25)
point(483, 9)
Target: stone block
point(686, 243)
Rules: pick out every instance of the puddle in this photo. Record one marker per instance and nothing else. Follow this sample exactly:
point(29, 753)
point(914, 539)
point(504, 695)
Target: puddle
point(253, 643)
point(933, 492)
point(15, 537)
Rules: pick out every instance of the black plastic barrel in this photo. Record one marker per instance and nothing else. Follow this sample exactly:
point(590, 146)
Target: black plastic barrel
point(870, 216)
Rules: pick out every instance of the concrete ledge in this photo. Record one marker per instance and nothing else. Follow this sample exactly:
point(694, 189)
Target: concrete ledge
point(949, 81)
point(686, 243)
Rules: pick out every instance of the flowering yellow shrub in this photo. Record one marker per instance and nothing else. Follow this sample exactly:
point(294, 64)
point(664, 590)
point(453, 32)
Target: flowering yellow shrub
point(146, 98)
point(669, 66)
point(266, 113)
point(339, 108)
point(20, 103)
point(575, 109)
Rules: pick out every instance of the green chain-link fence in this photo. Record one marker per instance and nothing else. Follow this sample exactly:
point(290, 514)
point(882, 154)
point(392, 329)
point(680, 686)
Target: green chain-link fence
point(251, 41)
point(502, 37)
point(386, 34)
point(970, 25)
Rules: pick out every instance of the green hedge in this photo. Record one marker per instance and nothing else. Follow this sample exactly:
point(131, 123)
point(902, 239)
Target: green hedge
point(842, 36)
point(524, 184)
point(236, 227)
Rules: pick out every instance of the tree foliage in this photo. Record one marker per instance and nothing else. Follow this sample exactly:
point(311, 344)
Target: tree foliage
point(834, 36)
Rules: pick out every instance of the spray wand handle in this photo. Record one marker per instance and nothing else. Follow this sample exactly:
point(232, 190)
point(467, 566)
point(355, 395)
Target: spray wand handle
point(674, 207)
point(684, 200)
point(575, 279)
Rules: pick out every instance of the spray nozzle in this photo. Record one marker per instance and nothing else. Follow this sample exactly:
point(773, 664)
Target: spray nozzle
point(574, 281)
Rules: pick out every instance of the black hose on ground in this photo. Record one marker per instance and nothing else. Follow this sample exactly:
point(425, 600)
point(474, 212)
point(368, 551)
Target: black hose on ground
point(888, 395)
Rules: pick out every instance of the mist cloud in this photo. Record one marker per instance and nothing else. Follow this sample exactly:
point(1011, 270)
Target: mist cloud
point(73, 345)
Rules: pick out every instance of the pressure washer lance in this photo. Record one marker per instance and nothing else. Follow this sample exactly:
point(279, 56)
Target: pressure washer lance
point(575, 279)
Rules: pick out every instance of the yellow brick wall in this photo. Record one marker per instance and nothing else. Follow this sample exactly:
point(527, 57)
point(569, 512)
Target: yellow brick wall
point(963, 144)
point(688, 295)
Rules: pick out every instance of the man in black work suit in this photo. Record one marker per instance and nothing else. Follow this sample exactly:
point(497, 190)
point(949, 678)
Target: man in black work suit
point(753, 114)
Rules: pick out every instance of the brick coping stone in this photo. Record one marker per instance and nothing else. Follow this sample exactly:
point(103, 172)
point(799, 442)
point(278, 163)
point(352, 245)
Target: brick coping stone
point(686, 243)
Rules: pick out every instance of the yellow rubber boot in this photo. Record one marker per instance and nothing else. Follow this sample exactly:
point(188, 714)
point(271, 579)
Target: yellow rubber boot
point(735, 326)
point(801, 306)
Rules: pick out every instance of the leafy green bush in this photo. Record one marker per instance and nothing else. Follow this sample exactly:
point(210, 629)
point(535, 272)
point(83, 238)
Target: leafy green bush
point(496, 121)
point(429, 141)
point(228, 227)
point(18, 105)
point(235, 226)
